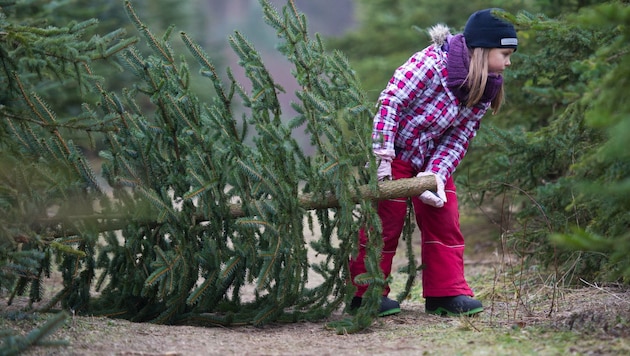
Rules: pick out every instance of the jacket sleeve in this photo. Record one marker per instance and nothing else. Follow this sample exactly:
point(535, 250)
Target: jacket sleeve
point(413, 78)
point(454, 143)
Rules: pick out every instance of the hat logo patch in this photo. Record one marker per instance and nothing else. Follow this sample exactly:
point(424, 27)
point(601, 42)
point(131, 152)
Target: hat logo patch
point(509, 41)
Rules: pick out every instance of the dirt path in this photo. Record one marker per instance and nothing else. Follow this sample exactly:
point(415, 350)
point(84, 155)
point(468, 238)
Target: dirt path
point(116, 337)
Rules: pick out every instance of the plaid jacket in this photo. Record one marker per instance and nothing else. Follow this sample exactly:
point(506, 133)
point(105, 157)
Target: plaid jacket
point(420, 117)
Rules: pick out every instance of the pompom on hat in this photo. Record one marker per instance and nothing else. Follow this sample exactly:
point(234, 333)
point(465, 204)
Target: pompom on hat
point(485, 30)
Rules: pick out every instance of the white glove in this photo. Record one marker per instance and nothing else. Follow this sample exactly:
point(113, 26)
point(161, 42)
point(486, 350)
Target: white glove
point(437, 198)
point(384, 160)
point(384, 170)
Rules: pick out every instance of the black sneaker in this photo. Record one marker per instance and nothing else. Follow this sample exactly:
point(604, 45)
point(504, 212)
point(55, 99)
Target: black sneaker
point(387, 307)
point(460, 305)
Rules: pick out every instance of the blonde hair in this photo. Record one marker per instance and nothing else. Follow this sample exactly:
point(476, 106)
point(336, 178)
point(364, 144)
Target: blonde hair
point(478, 77)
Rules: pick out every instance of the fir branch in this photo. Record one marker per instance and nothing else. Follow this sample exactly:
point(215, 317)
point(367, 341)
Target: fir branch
point(163, 208)
point(67, 249)
point(208, 69)
point(203, 288)
point(152, 41)
point(16, 345)
point(266, 315)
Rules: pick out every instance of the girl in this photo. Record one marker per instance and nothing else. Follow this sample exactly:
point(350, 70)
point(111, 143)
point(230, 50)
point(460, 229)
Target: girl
point(429, 112)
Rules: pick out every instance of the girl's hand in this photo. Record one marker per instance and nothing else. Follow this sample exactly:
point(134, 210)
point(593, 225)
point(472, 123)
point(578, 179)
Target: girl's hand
point(384, 170)
point(384, 161)
point(435, 199)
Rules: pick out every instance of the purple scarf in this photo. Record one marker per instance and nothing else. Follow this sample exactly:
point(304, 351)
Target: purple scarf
point(457, 67)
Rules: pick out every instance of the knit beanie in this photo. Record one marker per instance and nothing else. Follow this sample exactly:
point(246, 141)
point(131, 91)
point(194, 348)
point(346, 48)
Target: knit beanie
point(485, 30)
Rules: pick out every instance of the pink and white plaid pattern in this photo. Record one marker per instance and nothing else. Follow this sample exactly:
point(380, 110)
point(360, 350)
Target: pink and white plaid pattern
point(421, 116)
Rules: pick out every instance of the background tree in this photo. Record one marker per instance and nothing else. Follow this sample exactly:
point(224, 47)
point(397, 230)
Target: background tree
point(41, 63)
point(538, 153)
point(602, 175)
point(542, 164)
point(48, 53)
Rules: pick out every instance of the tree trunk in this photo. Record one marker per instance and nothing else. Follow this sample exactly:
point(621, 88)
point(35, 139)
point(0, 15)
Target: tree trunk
point(400, 188)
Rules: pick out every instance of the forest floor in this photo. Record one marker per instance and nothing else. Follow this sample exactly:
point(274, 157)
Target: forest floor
point(524, 314)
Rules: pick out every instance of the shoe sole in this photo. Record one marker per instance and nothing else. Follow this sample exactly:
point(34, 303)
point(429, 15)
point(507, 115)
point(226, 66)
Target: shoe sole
point(445, 312)
point(389, 312)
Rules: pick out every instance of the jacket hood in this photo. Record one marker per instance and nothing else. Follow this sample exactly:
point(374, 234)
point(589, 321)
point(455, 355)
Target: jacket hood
point(439, 34)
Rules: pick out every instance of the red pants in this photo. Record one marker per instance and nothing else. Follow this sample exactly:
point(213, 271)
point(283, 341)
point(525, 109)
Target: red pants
point(442, 241)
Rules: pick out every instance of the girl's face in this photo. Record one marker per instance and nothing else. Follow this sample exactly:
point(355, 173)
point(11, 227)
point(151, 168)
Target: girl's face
point(499, 59)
